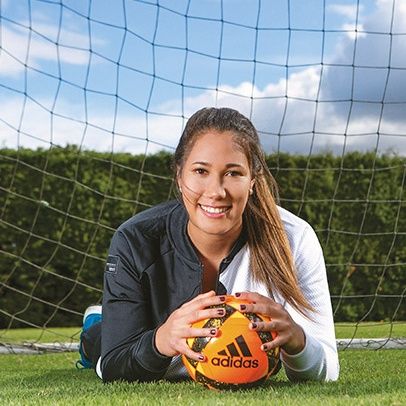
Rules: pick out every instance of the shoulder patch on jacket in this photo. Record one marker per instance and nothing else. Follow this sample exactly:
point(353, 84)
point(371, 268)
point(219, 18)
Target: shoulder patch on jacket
point(112, 264)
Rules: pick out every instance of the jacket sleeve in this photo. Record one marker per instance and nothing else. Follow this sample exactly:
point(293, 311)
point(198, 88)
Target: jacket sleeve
point(128, 336)
point(319, 359)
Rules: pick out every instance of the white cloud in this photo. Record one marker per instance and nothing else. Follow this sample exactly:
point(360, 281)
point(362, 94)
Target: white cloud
point(301, 128)
point(354, 32)
point(370, 86)
point(381, 19)
point(19, 46)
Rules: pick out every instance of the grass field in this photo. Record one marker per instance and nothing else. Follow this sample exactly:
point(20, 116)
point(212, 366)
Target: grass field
point(367, 378)
point(343, 330)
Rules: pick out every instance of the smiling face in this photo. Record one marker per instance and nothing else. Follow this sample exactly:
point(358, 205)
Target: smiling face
point(215, 181)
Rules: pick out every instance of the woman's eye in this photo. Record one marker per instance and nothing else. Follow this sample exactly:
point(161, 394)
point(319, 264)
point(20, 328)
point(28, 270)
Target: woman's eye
point(233, 173)
point(200, 171)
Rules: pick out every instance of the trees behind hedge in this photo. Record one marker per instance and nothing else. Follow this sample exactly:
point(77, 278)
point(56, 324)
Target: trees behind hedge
point(60, 207)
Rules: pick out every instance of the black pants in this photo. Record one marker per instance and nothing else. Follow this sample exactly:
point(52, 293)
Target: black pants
point(91, 343)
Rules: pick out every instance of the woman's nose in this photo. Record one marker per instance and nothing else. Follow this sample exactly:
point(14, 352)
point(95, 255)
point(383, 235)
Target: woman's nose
point(215, 188)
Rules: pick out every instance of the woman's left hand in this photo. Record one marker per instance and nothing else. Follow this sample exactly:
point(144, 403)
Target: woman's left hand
point(290, 338)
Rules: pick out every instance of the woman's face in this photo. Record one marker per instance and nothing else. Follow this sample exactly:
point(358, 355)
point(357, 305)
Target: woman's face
point(215, 182)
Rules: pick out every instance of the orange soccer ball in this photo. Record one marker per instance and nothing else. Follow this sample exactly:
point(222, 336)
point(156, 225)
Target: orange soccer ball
point(234, 358)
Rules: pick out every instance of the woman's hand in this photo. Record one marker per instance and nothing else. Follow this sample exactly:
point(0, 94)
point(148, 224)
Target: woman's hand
point(290, 335)
point(170, 338)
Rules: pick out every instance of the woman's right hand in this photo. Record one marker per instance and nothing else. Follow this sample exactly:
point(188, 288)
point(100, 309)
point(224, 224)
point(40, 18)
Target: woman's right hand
point(170, 338)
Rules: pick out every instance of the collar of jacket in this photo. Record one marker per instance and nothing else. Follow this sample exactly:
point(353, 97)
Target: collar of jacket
point(177, 233)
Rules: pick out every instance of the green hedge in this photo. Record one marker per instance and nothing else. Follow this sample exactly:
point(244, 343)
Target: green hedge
point(60, 207)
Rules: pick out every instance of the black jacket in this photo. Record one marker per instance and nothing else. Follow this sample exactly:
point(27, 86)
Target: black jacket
point(151, 270)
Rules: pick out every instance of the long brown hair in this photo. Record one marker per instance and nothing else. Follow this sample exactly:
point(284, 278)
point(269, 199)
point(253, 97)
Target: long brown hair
point(271, 259)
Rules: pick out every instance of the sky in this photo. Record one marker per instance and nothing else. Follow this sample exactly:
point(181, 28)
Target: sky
point(125, 75)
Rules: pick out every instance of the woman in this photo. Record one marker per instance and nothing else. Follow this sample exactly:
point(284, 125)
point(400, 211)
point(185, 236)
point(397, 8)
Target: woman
point(225, 235)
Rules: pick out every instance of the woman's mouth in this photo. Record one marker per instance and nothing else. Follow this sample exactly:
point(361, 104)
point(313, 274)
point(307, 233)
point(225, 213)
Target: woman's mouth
point(216, 211)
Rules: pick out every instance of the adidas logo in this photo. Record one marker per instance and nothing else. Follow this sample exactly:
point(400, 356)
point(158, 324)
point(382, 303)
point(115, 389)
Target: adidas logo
point(233, 355)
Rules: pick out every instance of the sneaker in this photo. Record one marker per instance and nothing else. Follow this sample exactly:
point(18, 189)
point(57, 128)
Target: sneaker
point(93, 315)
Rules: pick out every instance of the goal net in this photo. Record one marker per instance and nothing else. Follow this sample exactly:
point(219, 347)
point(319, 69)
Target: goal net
point(94, 96)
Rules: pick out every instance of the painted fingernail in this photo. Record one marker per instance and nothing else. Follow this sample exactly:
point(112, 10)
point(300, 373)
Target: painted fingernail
point(243, 307)
point(213, 331)
point(223, 298)
point(254, 325)
point(238, 294)
point(221, 312)
point(201, 357)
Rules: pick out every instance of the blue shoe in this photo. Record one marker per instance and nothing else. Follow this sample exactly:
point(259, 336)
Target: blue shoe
point(93, 315)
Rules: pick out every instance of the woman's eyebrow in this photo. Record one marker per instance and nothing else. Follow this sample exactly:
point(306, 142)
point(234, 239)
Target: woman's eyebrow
point(229, 165)
point(201, 163)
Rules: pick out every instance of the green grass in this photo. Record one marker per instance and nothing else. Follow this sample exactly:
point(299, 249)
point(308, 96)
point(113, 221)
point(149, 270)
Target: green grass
point(343, 330)
point(21, 335)
point(371, 330)
point(367, 378)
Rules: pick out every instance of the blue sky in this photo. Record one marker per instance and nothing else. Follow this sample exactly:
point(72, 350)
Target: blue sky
point(125, 75)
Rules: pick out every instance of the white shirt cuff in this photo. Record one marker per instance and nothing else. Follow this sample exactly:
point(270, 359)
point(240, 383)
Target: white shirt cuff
point(305, 359)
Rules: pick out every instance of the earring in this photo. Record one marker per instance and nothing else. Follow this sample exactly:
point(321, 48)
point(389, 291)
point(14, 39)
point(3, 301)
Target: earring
point(251, 191)
point(180, 189)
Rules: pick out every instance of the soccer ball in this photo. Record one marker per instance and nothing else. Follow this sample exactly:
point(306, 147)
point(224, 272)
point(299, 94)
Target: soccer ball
point(233, 359)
